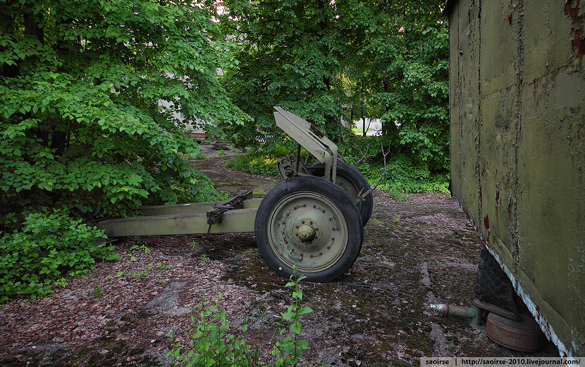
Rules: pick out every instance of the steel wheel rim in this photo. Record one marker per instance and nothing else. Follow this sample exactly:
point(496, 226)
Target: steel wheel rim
point(307, 230)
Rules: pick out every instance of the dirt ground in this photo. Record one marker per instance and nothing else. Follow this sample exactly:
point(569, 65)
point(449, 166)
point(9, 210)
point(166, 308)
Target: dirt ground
point(417, 250)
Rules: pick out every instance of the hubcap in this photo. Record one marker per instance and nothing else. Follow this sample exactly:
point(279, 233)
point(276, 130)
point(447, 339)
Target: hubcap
point(306, 233)
point(308, 230)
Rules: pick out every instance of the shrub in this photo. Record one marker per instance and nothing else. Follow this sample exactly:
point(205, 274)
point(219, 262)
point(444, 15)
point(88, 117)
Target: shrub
point(212, 345)
point(48, 247)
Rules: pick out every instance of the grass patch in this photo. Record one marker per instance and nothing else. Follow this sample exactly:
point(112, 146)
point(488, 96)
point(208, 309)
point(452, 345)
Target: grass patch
point(256, 163)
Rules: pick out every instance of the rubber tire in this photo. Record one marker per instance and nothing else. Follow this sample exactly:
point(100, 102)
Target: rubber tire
point(338, 197)
point(353, 175)
point(492, 285)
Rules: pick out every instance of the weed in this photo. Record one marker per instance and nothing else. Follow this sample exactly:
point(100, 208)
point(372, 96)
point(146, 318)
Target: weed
point(160, 266)
point(97, 290)
point(61, 282)
point(50, 247)
point(141, 247)
point(194, 245)
point(220, 152)
point(255, 163)
point(212, 345)
point(204, 258)
point(398, 196)
point(397, 219)
point(108, 277)
point(139, 275)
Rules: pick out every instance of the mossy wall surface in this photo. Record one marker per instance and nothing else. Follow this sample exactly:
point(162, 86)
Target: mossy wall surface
point(517, 105)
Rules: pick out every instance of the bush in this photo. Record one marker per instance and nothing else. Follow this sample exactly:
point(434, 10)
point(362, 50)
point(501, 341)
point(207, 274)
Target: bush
point(257, 164)
point(262, 161)
point(212, 345)
point(403, 174)
point(48, 247)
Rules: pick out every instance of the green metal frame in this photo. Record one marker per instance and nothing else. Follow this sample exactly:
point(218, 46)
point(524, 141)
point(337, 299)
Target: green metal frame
point(309, 138)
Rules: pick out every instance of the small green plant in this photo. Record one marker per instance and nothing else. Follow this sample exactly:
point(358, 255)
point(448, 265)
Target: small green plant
point(141, 247)
point(121, 273)
point(398, 196)
point(289, 349)
point(139, 275)
point(194, 245)
point(204, 258)
point(108, 277)
point(132, 257)
point(257, 163)
point(212, 345)
point(97, 290)
point(159, 280)
point(221, 152)
point(397, 219)
point(61, 282)
point(160, 266)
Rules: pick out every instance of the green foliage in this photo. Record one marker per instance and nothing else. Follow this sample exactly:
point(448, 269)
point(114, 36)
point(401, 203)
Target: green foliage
point(409, 52)
point(290, 347)
point(49, 246)
point(262, 161)
point(212, 345)
point(90, 94)
point(160, 266)
point(255, 163)
point(404, 174)
point(288, 57)
point(354, 59)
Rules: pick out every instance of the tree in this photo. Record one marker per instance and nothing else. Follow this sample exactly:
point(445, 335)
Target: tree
point(289, 56)
point(323, 60)
point(409, 52)
point(82, 118)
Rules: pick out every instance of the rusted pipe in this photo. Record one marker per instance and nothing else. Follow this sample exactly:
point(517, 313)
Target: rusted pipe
point(473, 312)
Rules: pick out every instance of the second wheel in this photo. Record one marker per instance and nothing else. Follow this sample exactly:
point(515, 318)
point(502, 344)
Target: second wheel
point(351, 180)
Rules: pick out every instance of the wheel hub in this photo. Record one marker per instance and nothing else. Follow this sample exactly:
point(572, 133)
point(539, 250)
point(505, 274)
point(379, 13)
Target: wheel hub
point(306, 233)
point(307, 230)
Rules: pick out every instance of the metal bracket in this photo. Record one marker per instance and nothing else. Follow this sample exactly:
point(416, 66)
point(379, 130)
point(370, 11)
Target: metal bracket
point(215, 216)
point(289, 166)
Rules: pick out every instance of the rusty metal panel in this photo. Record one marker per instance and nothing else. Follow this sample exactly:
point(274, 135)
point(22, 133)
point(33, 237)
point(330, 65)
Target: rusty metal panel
point(464, 111)
point(524, 127)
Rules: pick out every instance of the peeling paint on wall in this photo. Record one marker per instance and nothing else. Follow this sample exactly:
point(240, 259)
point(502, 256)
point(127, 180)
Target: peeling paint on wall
point(517, 106)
